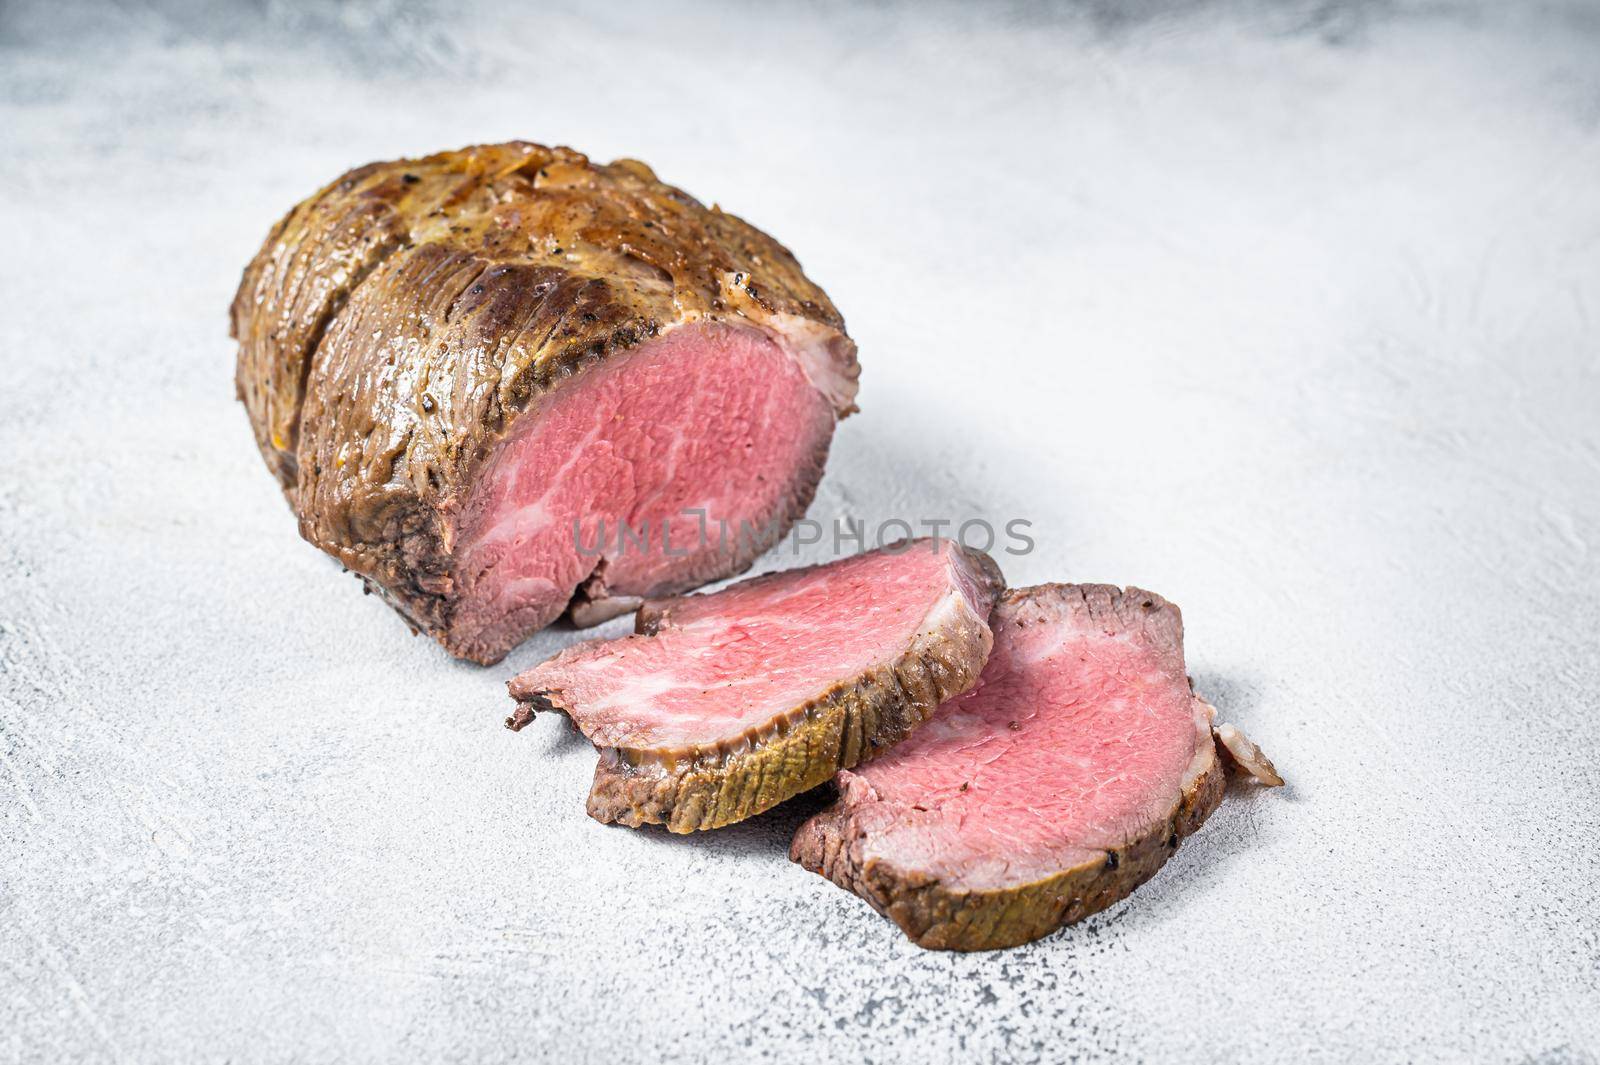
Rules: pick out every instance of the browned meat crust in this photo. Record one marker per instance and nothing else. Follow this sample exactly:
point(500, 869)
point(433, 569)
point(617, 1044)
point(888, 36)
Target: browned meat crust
point(394, 325)
point(690, 790)
point(939, 918)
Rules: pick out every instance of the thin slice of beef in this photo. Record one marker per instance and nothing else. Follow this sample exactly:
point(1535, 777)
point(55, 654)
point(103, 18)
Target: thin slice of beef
point(506, 380)
point(726, 704)
point(1050, 791)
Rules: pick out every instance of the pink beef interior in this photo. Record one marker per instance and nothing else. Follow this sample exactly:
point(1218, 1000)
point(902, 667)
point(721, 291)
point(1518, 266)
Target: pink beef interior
point(707, 417)
point(725, 664)
point(1075, 741)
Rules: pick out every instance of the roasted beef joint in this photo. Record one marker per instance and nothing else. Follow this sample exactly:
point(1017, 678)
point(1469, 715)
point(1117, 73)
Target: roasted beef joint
point(504, 381)
point(1051, 790)
point(725, 704)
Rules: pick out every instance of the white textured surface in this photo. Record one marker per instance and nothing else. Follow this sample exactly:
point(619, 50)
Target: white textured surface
point(1288, 313)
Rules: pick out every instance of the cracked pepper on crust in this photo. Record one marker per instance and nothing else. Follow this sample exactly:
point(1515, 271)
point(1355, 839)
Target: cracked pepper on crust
point(1053, 789)
point(727, 704)
point(395, 326)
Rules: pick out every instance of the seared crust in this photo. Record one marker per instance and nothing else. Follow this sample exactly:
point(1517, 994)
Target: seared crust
point(942, 917)
point(688, 790)
point(394, 325)
point(939, 918)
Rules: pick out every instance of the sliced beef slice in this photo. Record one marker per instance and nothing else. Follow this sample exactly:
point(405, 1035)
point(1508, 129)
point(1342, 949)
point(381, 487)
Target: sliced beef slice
point(726, 704)
point(467, 371)
point(1055, 787)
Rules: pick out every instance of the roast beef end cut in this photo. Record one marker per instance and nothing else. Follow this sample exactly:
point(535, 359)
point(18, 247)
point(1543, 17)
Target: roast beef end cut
point(726, 704)
point(506, 381)
point(1053, 789)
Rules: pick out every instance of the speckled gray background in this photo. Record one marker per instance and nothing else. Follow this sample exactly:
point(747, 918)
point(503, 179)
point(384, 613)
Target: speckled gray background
point(1290, 312)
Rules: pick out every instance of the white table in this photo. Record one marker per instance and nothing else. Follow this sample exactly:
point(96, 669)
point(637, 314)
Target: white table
point(1293, 318)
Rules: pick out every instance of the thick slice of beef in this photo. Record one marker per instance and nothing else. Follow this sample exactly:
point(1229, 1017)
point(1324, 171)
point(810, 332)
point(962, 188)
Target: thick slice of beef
point(726, 704)
point(501, 381)
point(1048, 792)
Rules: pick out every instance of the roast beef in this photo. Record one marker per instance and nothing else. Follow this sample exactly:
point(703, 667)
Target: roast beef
point(499, 381)
point(1055, 787)
point(725, 704)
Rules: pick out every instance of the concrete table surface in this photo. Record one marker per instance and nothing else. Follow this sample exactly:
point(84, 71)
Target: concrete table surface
point(1290, 312)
